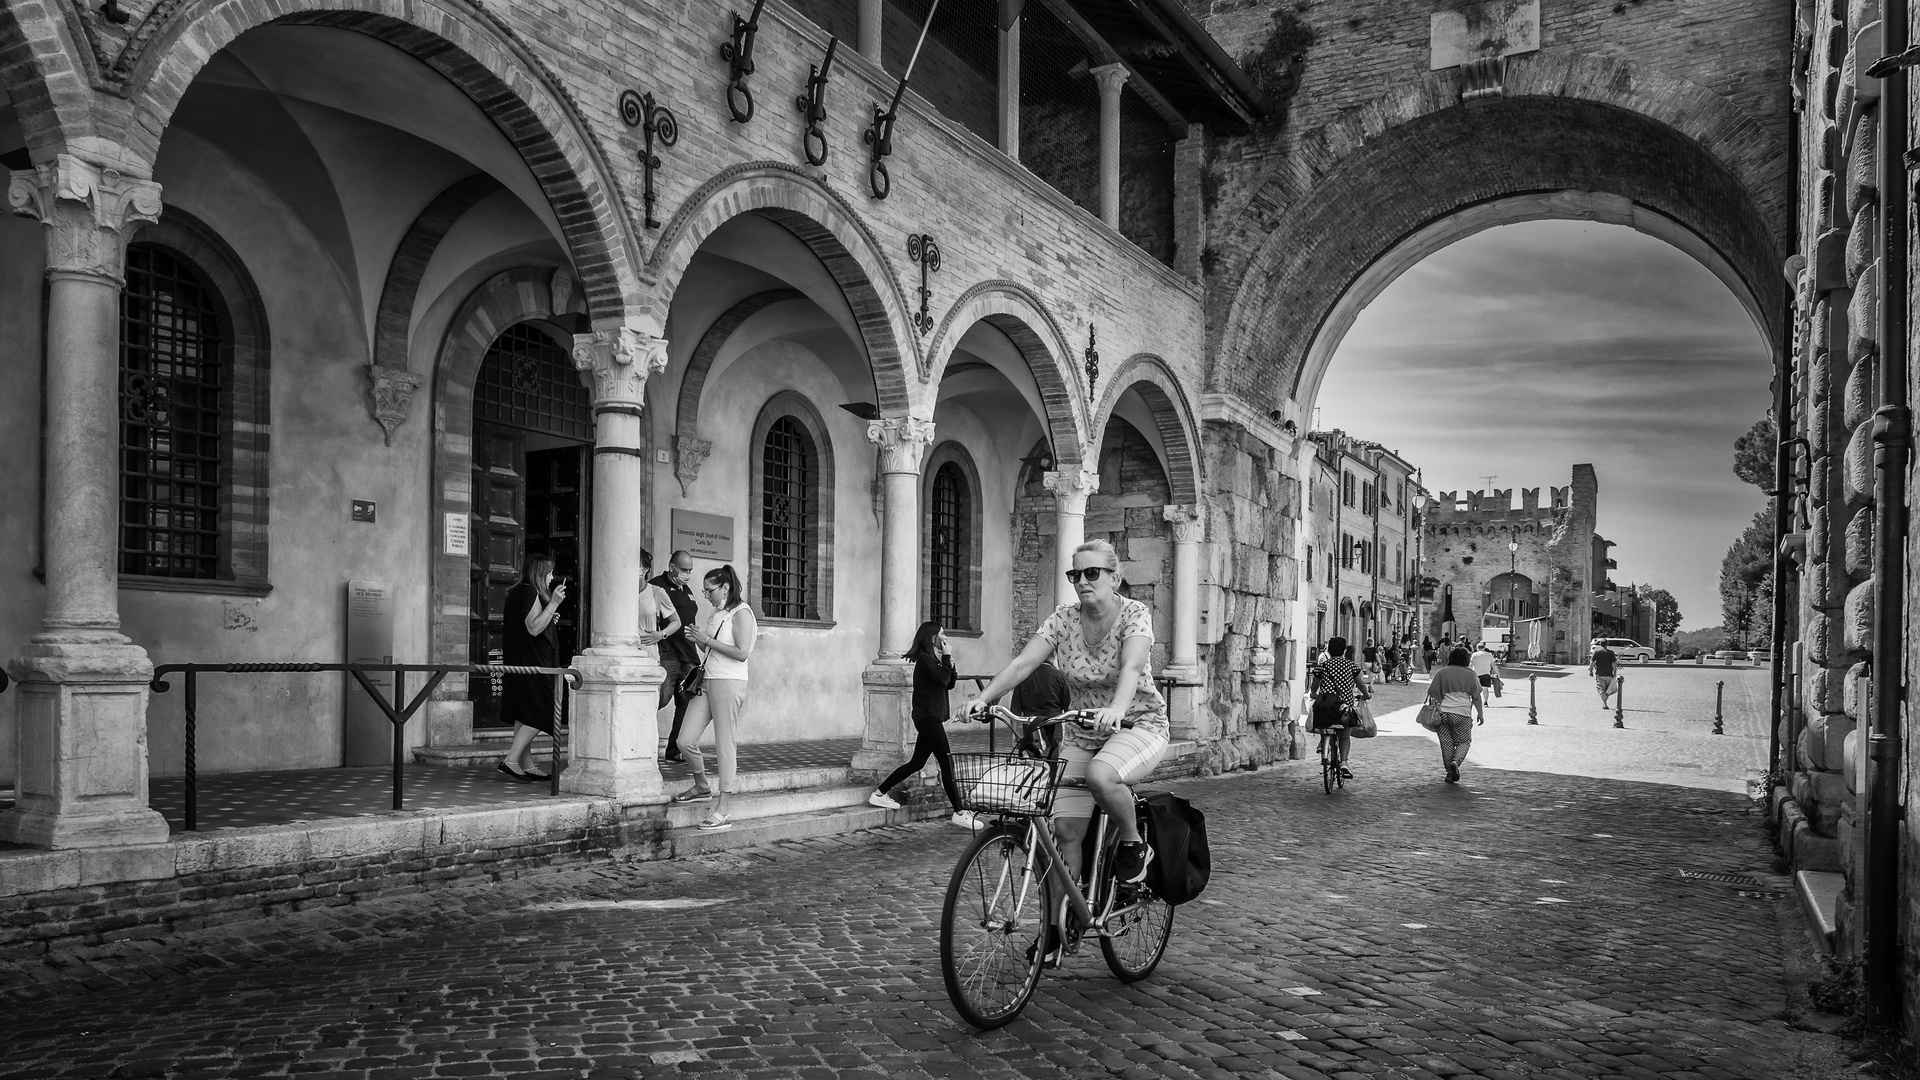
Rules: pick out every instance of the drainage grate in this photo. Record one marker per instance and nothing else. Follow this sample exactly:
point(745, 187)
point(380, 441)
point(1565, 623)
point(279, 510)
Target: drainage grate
point(1728, 879)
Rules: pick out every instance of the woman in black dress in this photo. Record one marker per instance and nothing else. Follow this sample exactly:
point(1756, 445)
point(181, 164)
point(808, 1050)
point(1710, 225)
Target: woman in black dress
point(932, 678)
point(527, 700)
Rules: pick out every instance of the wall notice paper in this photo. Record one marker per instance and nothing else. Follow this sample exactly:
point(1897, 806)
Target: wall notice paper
point(457, 534)
point(1484, 31)
point(704, 536)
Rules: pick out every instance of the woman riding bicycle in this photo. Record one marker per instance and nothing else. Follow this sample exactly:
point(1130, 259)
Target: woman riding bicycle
point(1336, 679)
point(1102, 645)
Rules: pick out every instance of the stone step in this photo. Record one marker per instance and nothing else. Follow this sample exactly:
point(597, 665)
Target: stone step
point(1819, 893)
point(804, 825)
point(481, 753)
point(750, 803)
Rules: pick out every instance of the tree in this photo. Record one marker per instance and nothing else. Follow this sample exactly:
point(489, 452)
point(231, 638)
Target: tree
point(1746, 581)
point(1667, 622)
point(1753, 454)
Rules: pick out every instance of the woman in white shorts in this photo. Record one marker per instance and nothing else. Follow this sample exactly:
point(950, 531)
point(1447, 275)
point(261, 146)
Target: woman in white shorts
point(1102, 645)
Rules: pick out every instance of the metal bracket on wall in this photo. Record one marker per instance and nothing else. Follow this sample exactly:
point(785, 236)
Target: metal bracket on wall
point(738, 53)
point(923, 249)
point(656, 122)
point(1093, 362)
point(813, 105)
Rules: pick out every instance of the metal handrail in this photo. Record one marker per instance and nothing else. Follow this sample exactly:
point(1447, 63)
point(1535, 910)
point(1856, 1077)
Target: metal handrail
point(398, 712)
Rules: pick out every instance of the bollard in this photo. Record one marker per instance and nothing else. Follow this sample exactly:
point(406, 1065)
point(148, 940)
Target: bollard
point(1533, 703)
point(1719, 689)
point(1619, 701)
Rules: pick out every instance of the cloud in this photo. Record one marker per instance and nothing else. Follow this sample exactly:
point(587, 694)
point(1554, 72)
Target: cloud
point(1523, 350)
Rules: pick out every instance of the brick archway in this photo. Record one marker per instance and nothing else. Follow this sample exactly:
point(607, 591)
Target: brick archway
point(48, 86)
point(1173, 418)
point(1669, 150)
point(471, 49)
point(836, 235)
point(1016, 312)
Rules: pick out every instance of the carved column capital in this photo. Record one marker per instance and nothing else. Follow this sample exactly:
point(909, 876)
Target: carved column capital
point(1188, 523)
point(903, 440)
point(621, 361)
point(89, 212)
point(1072, 488)
point(689, 453)
point(1110, 77)
point(390, 395)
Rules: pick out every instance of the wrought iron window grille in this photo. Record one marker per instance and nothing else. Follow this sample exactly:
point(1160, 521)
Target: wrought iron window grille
point(786, 519)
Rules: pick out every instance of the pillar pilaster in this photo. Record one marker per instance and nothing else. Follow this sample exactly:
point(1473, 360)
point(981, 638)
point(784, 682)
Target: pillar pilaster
point(1071, 490)
point(870, 27)
point(613, 746)
point(1112, 79)
point(82, 737)
point(888, 681)
point(1010, 90)
point(1188, 527)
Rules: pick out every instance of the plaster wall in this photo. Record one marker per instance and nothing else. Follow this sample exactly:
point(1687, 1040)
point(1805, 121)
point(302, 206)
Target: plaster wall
point(22, 259)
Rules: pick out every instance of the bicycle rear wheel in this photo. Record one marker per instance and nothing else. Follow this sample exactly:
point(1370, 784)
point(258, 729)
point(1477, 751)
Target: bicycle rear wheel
point(993, 927)
point(1135, 942)
point(1329, 762)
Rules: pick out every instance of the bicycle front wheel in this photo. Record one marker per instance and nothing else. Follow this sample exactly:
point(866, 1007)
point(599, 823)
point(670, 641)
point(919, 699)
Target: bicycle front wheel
point(1329, 766)
point(994, 926)
point(1136, 941)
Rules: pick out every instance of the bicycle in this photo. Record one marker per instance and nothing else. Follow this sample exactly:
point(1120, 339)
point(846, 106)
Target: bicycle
point(1333, 763)
point(1012, 909)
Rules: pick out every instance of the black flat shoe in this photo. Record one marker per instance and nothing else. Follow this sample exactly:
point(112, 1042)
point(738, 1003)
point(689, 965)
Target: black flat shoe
point(524, 777)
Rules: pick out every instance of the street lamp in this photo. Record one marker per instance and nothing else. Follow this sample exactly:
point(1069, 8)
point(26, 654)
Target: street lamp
point(1513, 590)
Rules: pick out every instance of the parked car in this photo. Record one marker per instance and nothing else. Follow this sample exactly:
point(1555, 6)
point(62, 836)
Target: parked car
point(1624, 648)
point(1727, 654)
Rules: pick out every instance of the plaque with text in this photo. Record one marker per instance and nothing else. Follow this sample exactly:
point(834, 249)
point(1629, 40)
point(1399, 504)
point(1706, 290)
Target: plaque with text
point(704, 536)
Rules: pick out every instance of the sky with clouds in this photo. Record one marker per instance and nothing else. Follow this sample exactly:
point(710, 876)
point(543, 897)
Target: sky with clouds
point(1525, 349)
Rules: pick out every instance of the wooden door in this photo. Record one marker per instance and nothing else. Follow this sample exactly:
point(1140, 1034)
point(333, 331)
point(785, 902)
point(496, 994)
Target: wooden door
point(499, 545)
point(557, 526)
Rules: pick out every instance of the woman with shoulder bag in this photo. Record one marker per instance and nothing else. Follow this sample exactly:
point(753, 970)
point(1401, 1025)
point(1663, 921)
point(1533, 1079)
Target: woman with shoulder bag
point(1454, 705)
point(728, 640)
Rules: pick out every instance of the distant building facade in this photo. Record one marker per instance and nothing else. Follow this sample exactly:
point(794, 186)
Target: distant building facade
point(1360, 540)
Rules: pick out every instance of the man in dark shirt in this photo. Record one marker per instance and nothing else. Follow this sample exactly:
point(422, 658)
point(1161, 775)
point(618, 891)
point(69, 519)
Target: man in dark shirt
point(1043, 696)
point(1602, 665)
point(677, 653)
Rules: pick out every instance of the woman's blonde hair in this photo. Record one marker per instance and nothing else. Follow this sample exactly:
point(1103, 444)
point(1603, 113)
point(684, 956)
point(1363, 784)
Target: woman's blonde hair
point(1104, 548)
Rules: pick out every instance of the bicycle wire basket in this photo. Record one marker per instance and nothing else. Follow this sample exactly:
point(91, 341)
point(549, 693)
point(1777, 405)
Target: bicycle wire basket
point(1010, 785)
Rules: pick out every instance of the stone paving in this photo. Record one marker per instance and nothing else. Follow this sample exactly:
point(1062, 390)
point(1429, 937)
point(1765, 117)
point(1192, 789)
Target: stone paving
point(1520, 924)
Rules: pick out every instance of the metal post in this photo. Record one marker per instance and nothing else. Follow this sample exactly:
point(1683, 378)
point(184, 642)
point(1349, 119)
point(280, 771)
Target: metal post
point(399, 734)
point(1533, 701)
point(193, 768)
point(559, 713)
point(1620, 701)
point(1719, 689)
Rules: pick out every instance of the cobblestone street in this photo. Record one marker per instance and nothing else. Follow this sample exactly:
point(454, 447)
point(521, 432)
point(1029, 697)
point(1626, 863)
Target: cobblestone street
point(1521, 924)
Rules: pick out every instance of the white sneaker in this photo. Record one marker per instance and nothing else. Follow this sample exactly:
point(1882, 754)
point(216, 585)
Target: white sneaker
point(883, 800)
point(966, 820)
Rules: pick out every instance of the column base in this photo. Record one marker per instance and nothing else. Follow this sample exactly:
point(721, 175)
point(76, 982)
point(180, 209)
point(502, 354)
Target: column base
point(613, 747)
point(888, 697)
point(82, 740)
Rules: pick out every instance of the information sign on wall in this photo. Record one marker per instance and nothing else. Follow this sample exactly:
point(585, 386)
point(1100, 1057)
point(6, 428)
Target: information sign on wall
point(369, 735)
point(457, 534)
point(704, 536)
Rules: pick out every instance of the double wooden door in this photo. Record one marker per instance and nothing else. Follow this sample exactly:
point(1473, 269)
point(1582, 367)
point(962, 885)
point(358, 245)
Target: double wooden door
point(531, 496)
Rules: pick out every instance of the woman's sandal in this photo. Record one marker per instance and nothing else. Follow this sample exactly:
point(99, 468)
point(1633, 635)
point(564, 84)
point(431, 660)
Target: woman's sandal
point(693, 795)
point(715, 822)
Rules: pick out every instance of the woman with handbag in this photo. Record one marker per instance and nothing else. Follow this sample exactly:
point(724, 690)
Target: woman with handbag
point(1454, 705)
point(932, 678)
point(728, 640)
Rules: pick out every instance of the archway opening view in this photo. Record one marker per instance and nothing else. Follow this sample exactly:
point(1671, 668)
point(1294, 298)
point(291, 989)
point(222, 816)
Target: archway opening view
point(1529, 438)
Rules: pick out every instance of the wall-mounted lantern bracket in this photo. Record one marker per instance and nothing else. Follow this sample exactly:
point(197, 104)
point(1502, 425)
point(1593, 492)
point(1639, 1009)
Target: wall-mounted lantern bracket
point(813, 106)
point(656, 122)
point(923, 249)
point(737, 51)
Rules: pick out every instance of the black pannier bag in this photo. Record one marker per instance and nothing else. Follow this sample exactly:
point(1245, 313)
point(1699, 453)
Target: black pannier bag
point(1177, 830)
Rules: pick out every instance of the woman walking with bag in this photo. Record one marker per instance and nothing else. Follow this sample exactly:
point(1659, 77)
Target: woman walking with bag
point(1454, 704)
point(527, 700)
point(932, 678)
point(728, 640)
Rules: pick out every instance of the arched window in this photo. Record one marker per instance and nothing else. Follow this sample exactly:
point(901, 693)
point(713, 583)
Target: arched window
point(949, 543)
point(786, 508)
point(194, 420)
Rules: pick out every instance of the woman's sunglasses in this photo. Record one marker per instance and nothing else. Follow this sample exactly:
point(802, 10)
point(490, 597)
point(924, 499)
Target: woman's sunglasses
point(1091, 573)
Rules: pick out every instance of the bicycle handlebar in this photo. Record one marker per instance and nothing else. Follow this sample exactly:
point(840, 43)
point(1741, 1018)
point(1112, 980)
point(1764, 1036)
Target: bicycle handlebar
point(1081, 718)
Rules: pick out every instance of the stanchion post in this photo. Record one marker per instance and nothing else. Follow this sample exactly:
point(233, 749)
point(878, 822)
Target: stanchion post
point(1619, 701)
point(1533, 700)
point(193, 766)
point(1719, 691)
point(399, 734)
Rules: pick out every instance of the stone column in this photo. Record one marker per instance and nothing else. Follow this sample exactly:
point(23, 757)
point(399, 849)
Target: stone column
point(1184, 659)
point(82, 765)
point(1010, 90)
point(1070, 492)
point(613, 747)
point(1111, 77)
point(903, 441)
point(872, 25)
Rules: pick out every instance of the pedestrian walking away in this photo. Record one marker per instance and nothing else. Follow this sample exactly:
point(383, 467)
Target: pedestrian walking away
point(678, 654)
point(1335, 689)
point(1427, 654)
point(528, 640)
point(1604, 665)
point(728, 640)
point(1482, 661)
point(932, 678)
point(1103, 645)
point(1371, 654)
point(1456, 692)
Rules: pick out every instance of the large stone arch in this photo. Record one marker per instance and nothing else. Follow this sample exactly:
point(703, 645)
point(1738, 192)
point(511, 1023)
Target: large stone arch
point(471, 49)
point(830, 228)
point(1566, 124)
point(514, 296)
point(42, 67)
point(1016, 312)
point(1173, 416)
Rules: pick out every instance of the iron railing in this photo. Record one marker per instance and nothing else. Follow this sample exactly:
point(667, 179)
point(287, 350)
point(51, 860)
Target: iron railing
point(398, 711)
